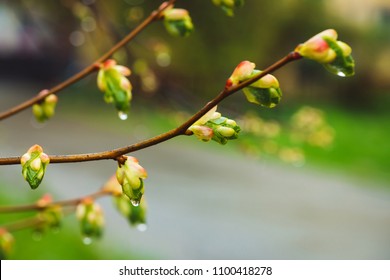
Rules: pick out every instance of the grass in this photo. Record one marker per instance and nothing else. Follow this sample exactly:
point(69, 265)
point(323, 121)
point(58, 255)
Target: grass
point(361, 147)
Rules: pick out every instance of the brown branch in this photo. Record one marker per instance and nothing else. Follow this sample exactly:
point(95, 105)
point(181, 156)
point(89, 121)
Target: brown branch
point(91, 68)
point(64, 203)
point(181, 130)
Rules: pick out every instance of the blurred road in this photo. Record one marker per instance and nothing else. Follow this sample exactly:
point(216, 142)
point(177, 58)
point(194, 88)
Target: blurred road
point(210, 204)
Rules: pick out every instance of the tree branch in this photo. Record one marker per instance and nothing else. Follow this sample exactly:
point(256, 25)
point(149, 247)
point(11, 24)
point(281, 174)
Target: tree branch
point(181, 130)
point(91, 68)
point(38, 207)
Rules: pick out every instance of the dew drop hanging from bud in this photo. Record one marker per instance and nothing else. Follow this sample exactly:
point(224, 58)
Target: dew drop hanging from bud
point(122, 115)
point(341, 74)
point(135, 202)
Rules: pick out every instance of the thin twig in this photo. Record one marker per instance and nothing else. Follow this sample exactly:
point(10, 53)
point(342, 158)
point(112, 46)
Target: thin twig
point(39, 207)
point(181, 130)
point(91, 68)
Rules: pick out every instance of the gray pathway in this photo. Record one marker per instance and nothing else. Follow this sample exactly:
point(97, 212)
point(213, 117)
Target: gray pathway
point(206, 204)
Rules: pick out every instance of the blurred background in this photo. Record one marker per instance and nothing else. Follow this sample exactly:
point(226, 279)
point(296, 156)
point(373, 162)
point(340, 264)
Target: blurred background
point(308, 179)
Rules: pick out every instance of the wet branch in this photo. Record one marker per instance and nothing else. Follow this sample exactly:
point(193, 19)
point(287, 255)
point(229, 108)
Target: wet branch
point(155, 15)
point(116, 154)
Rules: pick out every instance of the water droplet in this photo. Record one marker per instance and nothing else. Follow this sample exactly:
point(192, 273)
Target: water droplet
point(341, 74)
point(122, 115)
point(87, 240)
point(142, 227)
point(134, 202)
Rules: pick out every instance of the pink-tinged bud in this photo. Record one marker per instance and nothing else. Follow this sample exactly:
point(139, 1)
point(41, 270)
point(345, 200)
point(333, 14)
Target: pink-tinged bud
point(334, 55)
point(125, 71)
point(34, 164)
point(50, 215)
point(130, 175)
point(109, 63)
point(267, 81)
point(178, 22)
point(117, 88)
point(44, 201)
point(317, 48)
point(242, 72)
point(176, 14)
point(45, 110)
point(202, 132)
point(91, 218)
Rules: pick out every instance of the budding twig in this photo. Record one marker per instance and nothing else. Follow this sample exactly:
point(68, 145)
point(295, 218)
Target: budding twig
point(155, 15)
point(39, 207)
point(181, 130)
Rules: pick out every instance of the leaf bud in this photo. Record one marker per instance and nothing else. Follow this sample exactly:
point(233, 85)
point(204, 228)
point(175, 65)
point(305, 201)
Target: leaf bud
point(178, 22)
point(45, 109)
point(130, 176)
point(265, 91)
point(334, 55)
point(91, 218)
point(34, 164)
point(228, 6)
point(117, 88)
point(136, 215)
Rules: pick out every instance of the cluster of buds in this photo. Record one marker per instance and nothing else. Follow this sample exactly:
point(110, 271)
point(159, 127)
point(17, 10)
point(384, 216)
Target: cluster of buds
point(177, 21)
point(6, 243)
point(117, 88)
point(91, 218)
point(45, 109)
point(34, 164)
point(212, 126)
point(130, 176)
point(50, 215)
point(325, 49)
point(265, 91)
point(228, 6)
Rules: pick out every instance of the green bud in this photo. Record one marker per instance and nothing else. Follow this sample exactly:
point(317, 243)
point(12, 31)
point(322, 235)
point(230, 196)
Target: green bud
point(334, 55)
point(178, 22)
point(45, 109)
point(136, 215)
point(116, 87)
point(268, 97)
point(91, 218)
point(34, 164)
point(202, 132)
point(265, 92)
point(243, 71)
point(50, 215)
point(228, 6)
point(212, 126)
point(6, 243)
point(130, 176)
point(226, 132)
point(343, 65)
